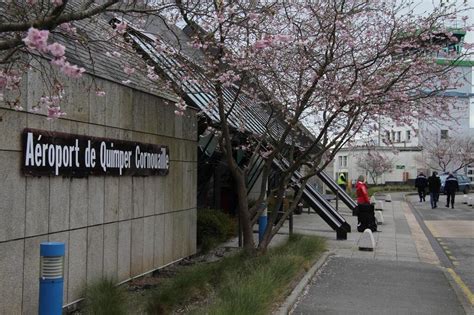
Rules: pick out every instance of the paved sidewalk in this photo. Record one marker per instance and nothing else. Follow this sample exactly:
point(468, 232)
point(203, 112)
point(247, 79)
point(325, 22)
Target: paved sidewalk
point(401, 276)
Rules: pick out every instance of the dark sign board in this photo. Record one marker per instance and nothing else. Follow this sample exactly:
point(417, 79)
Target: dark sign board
point(62, 154)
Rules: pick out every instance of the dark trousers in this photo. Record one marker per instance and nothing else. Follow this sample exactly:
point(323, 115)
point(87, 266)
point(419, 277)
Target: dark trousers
point(434, 199)
point(450, 196)
point(421, 193)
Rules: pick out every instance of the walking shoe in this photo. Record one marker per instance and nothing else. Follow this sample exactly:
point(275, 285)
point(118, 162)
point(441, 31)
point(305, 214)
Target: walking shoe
point(447, 206)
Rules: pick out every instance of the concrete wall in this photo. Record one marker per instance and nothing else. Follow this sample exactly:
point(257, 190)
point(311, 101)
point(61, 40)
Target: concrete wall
point(112, 226)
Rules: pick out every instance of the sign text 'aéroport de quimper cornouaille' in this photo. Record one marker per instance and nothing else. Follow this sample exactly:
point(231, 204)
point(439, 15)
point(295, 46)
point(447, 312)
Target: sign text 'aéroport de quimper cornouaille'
point(55, 153)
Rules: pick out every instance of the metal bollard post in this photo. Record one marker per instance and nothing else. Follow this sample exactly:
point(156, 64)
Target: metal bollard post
point(51, 278)
point(262, 222)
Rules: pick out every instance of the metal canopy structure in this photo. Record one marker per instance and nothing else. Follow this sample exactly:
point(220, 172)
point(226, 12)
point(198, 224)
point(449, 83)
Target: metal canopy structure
point(244, 113)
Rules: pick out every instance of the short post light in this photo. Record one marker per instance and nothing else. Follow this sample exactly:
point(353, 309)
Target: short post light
point(51, 278)
point(262, 221)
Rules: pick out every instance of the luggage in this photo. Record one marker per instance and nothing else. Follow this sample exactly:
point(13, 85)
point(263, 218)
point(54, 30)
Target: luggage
point(366, 218)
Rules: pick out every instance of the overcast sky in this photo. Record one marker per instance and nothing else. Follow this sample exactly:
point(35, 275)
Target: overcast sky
point(428, 5)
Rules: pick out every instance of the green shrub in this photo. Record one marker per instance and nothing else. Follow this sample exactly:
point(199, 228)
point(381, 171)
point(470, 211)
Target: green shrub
point(389, 188)
point(239, 284)
point(213, 227)
point(104, 298)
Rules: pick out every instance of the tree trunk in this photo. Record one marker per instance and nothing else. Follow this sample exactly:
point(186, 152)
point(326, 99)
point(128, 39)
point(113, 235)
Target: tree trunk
point(245, 219)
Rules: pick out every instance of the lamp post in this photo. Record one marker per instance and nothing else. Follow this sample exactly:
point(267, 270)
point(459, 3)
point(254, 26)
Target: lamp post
point(51, 278)
point(262, 221)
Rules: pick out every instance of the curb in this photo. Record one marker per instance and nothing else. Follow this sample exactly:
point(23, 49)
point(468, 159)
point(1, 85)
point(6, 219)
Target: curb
point(464, 295)
point(291, 300)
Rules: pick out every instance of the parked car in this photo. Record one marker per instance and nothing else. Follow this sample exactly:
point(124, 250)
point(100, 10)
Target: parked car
point(463, 180)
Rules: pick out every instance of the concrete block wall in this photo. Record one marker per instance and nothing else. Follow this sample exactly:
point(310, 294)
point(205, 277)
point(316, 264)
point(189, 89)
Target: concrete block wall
point(117, 227)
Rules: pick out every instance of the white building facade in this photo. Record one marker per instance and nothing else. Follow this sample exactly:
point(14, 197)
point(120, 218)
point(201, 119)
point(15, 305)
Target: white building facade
point(406, 145)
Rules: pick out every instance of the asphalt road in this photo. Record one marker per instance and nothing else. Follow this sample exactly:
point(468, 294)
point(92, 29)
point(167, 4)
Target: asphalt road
point(453, 231)
point(361, 286)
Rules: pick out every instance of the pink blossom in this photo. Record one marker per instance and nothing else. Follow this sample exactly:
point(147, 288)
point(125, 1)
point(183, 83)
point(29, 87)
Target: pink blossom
point(121, 27)
point(68, 28)
point(57, 2)
point(100, 93)
point(9, 80)
point(116, 54)
point(57, 50)
point(55, 112)
point(126, 81)
point(128, 70)
point(261, 44)
point(72, 71)
point(283, 38)
point(36, 39)
point(59, 61)
point(253, 16)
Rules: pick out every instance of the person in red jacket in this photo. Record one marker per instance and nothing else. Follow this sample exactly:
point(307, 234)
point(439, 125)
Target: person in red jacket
point(361, 191)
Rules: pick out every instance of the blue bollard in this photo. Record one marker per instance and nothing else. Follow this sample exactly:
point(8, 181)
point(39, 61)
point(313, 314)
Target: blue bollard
point(262, 222)
point(51, 278)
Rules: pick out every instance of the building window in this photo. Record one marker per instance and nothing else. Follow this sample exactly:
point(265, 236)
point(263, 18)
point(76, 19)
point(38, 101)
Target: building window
point(471, 114)
point(444, 134)
point(387, 135)
point(393, 136)
point(342, 161)
point(408, 135)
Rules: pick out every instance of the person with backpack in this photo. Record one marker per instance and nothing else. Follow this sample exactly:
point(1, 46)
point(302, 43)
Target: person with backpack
point(450, 187)
point(421, 182)
point(434, 185)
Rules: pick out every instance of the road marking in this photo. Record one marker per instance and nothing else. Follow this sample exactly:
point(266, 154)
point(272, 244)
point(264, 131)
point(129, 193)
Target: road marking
point(451, 228)
point(462, 285)
point(423, 246)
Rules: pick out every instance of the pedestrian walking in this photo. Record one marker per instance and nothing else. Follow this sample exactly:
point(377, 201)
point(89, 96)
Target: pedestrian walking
point(362, 192)
point(434, 185)
point(342, 182)
point(365, 216)
point(421, 182)
point(450, 187)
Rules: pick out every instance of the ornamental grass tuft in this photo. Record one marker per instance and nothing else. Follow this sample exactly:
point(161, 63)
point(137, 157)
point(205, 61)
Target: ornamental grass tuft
point(240, 284)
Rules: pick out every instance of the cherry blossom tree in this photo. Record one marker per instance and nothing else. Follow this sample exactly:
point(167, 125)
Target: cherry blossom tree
point(330, 67)
point(35, 31)
point(375, 163)
point(447, 155)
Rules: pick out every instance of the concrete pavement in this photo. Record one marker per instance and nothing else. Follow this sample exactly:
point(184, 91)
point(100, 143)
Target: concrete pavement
point(451, 232)
point(401, 276)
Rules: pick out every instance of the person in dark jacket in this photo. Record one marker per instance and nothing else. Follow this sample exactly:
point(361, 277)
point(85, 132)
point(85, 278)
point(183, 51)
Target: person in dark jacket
point(450, 187)
point(434, 184)
point(421, 182)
